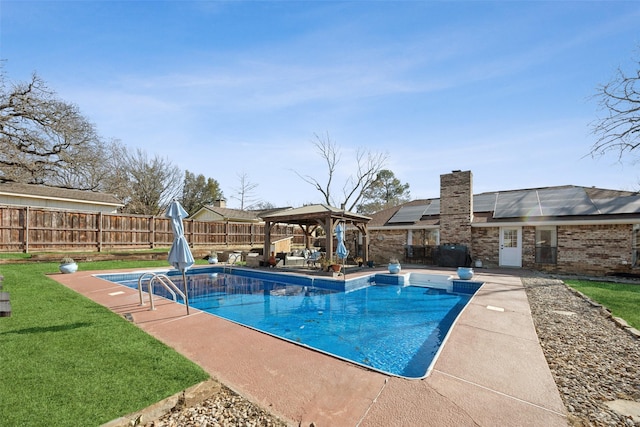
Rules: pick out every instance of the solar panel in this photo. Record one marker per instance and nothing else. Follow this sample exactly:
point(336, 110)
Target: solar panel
point(433, 208)
point(484, 202)
point(408, 214)
point(517, 204)
point(566, 202)
point(619, 205)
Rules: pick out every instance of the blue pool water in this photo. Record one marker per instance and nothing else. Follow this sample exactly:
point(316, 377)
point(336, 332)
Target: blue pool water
point(393, 328)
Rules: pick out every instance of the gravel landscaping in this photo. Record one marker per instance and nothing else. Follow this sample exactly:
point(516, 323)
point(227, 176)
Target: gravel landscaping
point(593, 359)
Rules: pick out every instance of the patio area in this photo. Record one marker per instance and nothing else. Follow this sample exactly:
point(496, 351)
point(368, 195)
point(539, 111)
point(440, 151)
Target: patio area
point(490, 372)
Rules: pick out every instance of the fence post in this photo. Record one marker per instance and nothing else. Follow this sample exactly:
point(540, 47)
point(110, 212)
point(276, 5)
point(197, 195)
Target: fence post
point(100, 219)
point(26, 230)
point(152, 232)
point(191, 232)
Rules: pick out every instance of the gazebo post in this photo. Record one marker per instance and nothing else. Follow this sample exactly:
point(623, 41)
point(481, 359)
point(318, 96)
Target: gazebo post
point(266, 250)
point(365, 235)
point(329, 234)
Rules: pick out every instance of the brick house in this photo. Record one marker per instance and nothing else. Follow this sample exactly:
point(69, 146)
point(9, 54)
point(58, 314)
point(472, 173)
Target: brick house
point(565, 229)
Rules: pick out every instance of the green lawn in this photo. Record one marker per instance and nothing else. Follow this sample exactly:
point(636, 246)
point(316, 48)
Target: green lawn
point(66, 361)
point(622, 299)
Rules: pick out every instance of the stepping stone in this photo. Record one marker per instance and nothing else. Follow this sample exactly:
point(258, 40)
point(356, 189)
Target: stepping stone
point(627, 408)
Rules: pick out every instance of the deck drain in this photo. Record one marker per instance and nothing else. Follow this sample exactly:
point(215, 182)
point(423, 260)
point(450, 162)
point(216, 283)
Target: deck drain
point(113, 294)
point(494, 308)
point(564, 313)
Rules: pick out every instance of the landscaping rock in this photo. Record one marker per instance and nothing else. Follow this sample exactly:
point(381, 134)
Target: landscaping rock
point(594, 359)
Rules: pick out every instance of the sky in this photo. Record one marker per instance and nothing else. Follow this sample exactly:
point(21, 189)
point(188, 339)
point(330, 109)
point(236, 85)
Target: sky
point(230, 88)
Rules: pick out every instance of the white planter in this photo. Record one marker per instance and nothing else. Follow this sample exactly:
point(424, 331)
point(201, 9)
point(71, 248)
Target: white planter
point(394, 268)
point(68, 268)
point(465, 273)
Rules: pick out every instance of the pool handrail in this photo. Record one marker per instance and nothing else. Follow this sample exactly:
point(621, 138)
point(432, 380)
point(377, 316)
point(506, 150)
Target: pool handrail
point(152, 274)
point(168, 284)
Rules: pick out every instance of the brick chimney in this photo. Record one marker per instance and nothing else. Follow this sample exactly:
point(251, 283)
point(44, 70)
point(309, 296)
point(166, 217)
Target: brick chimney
point(220, 203)
point(456, 207)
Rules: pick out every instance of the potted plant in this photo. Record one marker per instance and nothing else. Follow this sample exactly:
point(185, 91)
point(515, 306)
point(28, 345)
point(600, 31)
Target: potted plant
point(212, 258)
point(324, 263)
point(335, 267)
point(358, 260)
point(334, 264)
point(394, 266)
point(68, 265)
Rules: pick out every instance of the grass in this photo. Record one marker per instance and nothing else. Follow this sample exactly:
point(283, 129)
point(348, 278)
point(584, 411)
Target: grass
point(14, 255)
point(65, 360)
point(622, 299)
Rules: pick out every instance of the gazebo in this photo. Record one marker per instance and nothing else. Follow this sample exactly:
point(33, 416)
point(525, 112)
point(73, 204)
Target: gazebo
point(313, 216)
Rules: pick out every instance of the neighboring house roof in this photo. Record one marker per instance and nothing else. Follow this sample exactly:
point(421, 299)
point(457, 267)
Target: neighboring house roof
point(54, 193)
point(228, 214)
point(561, 202)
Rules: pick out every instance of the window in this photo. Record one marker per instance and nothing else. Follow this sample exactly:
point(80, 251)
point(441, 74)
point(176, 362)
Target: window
point(432, 237)
point(510, 238)
point(546, 245)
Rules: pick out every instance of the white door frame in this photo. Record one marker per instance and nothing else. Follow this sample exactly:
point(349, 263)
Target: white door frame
point(510, 247)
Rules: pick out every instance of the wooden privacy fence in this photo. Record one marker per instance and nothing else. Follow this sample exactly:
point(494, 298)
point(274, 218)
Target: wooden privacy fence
point(27, 229)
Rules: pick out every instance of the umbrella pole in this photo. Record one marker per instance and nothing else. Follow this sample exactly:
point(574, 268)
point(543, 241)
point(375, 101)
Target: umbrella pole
point(186, 291)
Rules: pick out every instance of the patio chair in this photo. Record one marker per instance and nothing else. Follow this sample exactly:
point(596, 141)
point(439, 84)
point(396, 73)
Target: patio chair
point(314, 258)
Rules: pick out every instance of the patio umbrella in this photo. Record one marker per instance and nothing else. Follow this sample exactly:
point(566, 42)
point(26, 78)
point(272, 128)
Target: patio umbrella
point(180, 254)
point(341, 249)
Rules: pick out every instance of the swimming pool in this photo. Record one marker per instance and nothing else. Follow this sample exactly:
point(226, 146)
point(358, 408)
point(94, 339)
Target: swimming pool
point(383, 322)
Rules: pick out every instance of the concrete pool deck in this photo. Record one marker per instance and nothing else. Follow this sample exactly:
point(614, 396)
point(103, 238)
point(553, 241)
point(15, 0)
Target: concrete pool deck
point(491, 371)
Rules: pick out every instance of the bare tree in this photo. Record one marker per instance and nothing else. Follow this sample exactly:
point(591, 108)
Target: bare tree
point(87, 169)
point(44, 140)
point(150, 184)
point(245, 193)
point(619, 130)
point(368, 165)
point(116, 181)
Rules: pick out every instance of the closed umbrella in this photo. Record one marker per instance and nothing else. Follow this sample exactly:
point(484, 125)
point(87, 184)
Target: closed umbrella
point(341, 250)
point(180, 254)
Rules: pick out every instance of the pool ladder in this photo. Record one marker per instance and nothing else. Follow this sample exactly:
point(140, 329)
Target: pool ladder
point(163, 280)
point(232, 261)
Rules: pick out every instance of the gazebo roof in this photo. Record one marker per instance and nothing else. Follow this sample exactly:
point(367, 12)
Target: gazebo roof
point(313, 214)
